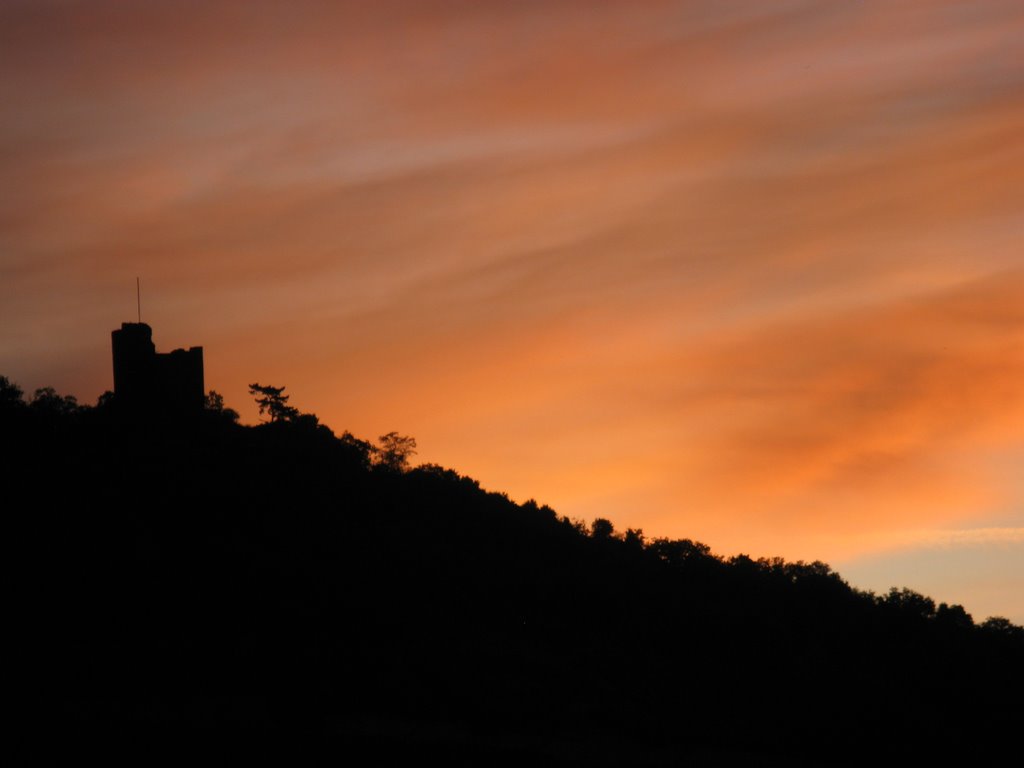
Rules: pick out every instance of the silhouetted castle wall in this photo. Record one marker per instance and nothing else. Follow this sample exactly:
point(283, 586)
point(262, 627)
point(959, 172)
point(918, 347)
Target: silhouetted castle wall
point(147, 380)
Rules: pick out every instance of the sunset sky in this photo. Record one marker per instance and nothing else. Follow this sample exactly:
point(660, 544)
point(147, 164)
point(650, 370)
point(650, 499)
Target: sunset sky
point(745, 272)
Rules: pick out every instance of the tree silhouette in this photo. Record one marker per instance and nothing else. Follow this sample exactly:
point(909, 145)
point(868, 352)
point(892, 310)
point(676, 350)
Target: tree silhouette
point(215, 404)
point(273, 402)
point(10, 394)
point(602, 528)
point(1003, 627)
point(395, 450)
point(46, 399)
point(954, 616)
point(910, 603)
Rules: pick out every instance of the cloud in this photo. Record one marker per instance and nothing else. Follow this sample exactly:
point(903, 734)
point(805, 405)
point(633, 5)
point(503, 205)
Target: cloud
point(739, 271)
point(971, 536)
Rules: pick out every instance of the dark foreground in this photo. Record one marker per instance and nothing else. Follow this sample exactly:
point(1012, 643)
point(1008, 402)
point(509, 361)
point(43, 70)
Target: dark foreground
point(201, 588)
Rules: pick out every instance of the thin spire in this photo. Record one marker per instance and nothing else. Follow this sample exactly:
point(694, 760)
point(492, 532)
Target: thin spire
point(138, 298)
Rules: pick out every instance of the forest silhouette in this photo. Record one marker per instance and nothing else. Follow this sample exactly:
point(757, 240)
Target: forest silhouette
point(194, 581)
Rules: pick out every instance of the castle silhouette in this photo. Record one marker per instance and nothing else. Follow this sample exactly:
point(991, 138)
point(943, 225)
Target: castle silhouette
point(154, 382)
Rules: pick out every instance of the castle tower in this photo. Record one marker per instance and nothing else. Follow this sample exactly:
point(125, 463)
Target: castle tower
point(146, 381)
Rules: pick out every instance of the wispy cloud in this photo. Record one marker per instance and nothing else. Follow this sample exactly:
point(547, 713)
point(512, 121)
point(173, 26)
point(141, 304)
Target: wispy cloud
point(741, 271)
point(953, 538)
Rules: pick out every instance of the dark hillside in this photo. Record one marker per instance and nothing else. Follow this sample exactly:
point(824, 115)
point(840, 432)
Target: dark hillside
point(197, 581)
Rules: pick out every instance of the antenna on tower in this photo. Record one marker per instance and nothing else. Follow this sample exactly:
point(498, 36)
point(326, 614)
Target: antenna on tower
point(138, 298)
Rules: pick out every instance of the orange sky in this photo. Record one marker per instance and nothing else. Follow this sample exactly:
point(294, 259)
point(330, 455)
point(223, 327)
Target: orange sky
point(747, 272)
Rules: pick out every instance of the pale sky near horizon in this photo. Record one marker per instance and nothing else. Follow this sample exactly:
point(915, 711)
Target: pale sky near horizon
point(746, 272)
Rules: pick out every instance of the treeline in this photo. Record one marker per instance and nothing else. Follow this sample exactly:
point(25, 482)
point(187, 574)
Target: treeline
point(197, 579)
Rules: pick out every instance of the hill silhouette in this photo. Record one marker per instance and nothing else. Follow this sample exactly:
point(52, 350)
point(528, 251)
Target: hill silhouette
point(194, 581)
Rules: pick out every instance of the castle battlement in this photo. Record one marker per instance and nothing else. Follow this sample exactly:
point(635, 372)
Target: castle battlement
point(151, 381)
